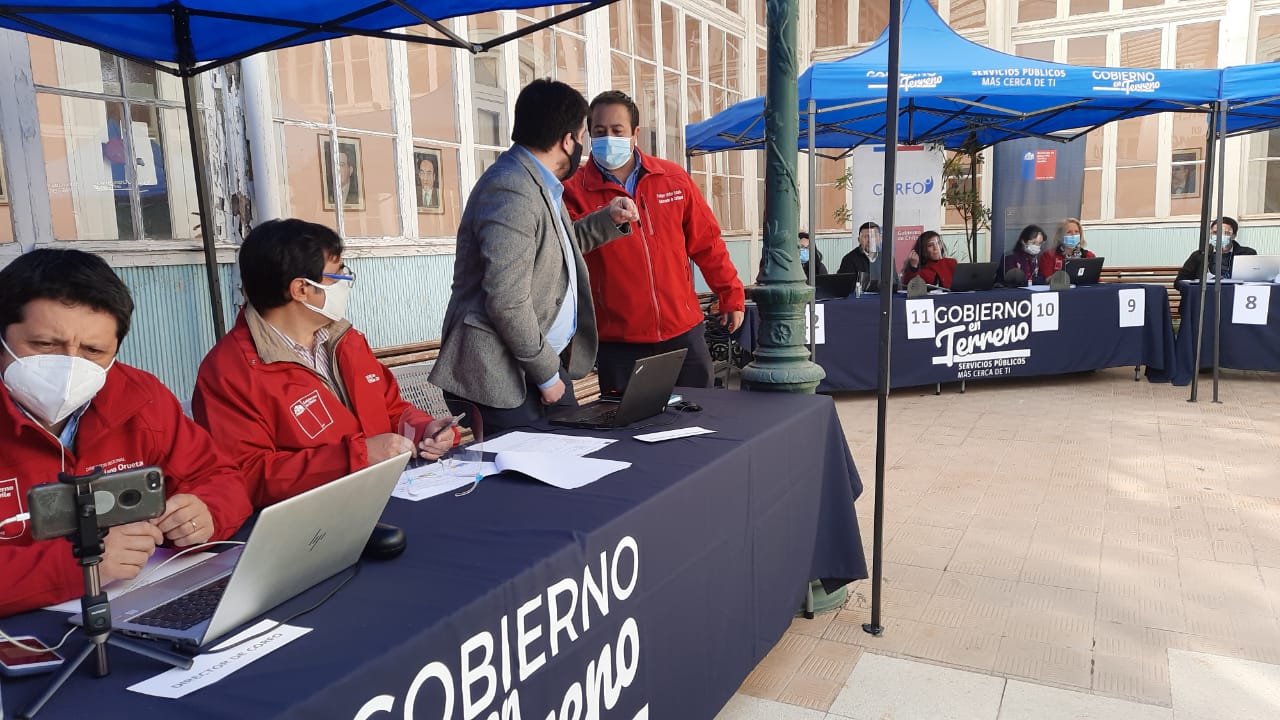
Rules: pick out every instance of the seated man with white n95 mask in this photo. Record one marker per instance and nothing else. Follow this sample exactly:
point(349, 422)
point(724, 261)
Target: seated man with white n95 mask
point(67, 405)
point(293, 393)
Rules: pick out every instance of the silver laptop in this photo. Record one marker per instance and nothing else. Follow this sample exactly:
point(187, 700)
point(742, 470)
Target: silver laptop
point(295, 544)
point(1255, 268)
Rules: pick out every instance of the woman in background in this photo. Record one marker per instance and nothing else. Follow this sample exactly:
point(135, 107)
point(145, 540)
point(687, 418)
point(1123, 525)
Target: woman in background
point(1025, 255)
point(1068, 245)
point(928, 261)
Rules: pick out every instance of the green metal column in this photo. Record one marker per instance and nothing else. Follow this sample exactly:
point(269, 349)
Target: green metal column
point(782, 362)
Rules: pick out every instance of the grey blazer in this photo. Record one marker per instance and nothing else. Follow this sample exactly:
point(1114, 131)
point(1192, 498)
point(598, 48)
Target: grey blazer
point(509, 281)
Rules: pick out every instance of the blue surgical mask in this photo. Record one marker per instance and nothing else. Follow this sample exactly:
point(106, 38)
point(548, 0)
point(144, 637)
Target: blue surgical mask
point(611, 152)
point(1070, 240)
point(804, 255)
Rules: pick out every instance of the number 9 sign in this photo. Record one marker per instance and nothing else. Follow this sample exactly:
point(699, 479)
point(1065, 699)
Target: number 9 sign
point(1133, 307)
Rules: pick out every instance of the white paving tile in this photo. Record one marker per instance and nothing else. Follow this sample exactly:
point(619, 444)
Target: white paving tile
point(883, 687)
point(1212, 687)
point(1028, 701)
point(745, 707)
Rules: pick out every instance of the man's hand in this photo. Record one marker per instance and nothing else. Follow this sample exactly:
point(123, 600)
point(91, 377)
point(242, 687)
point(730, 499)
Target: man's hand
point(186, 521)
point(552, 393)
point(430, 448)
point(386, 446)
point(127, 550)
point(623, 210)
point(732, 320)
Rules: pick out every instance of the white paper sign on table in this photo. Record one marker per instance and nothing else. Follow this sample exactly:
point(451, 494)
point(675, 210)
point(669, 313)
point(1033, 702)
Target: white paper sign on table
point(920, 320)
point(223, 660)
point(673, 434)
point(820, 330)
point(1044, 312)
point(1133, 307)
point(1251, 305)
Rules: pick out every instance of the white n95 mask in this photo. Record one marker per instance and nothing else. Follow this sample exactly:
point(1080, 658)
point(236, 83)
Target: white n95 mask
point(611, 152)
point(1032, 250)
point(51, 387)
point(335, 299)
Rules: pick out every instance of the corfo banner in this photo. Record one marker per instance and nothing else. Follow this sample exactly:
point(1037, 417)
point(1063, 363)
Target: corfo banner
point(918, 188)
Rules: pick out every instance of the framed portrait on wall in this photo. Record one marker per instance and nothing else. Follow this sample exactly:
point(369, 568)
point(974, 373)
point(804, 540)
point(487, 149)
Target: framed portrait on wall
point(426, 180)
point(1184, 179)
point(350, 173)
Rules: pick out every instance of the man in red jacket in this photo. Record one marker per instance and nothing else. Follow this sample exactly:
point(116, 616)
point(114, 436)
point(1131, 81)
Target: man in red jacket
point(642, 284)
point(293, 393)
point(67, 405)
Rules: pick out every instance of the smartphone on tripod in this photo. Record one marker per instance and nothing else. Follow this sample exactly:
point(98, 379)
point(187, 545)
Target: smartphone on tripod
point(121, 498)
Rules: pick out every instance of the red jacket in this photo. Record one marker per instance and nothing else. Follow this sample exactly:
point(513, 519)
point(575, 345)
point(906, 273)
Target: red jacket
point(1051, 262)
point(283, 425)
point(934, 272)
point(642, 284)
point(134, 421)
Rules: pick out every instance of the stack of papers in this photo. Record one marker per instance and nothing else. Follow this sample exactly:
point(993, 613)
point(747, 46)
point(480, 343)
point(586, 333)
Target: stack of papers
point(556, 460)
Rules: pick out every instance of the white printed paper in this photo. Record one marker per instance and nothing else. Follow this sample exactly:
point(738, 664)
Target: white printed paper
point(1251, 305)
point(920, 319)
point(1044, 312)
point(148, 575)
point(566, 473)
point(673, 434)
point(223, 660)
point(1133, 307)
point(820, 330)
point(545, 443)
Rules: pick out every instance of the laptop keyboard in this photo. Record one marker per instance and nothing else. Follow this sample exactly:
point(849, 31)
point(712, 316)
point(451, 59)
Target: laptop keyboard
point(187, 611)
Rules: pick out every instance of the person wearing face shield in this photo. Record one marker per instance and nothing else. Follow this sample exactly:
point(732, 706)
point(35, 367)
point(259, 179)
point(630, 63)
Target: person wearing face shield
point(1068, 245)
point(866, 257)
point(293, 393)
point(642, 285)
point(520, 325)
point(1194, 266)
point(67, 405)
point(1025, 256)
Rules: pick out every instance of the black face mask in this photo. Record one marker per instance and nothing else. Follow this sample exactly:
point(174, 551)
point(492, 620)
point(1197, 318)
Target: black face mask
point(575, 158)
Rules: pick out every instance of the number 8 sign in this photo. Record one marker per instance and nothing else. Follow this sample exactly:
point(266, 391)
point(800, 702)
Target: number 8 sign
point(1251, 304)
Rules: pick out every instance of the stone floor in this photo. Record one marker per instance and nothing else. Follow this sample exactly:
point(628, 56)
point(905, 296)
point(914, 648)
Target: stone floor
point(1082, 533)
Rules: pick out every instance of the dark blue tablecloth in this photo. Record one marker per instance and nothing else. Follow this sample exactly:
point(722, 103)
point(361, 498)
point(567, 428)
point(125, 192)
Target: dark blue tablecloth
point(1088, 337)
point(1241, 347)
point(703, 549)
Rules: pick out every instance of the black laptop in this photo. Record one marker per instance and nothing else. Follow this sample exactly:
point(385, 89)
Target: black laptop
point(974, 276)
point(835, 285)
point(646, 395)
point(1083, 271)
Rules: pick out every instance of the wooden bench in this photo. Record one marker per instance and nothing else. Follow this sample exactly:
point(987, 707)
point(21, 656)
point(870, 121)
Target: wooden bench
point(1162, 275)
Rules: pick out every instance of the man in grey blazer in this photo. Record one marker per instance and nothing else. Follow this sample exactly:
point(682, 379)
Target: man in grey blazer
point(520, 325)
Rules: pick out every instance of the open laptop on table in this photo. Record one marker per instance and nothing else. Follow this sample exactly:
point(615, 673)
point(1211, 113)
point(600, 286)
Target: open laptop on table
point(646, 395)
point(1255, 268)
point(295, 544)
point(1083, 271)
point(974, 276)
point(835, 285)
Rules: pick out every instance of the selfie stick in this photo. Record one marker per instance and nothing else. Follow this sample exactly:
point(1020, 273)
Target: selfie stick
point(95, 608)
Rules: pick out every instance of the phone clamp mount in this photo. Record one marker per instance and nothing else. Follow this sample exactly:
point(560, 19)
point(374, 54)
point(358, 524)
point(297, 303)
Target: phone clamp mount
point(95, 608)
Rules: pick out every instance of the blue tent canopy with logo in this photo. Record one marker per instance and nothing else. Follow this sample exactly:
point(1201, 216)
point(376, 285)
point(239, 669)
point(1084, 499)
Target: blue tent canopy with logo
point(951, 88)
point(1251, 97)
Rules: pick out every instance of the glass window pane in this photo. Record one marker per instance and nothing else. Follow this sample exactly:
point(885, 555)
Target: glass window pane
point(1130, 4)
point(762, 69)
point(1135, 192)
point(831, 23)
point(485, 158)
point(1038, 50)
point(361, 83)
point(620, 26)
point(440, 207)
point(671, 95)
point(1197, 45)
point(371, 205)
point(732, 58)
point(87, 166)
point(1093, 148)
point(303, 171)
point(620, 67)
point(1032, 10)
point(535, 54)
point(166, 184)
point(716, 52)
point(1268, 39)
point(574, 25)
point(1264, 186)
point(1085, 7)
point(829, 196)
point(1091, 201)
point(693, 99)
point(737, 207)
point(643, 28)
point(1087, 50)
point(571, 66)
point(671, 36)
point(968, 14)
point(489, 83)
point(1141, 48)
point(70, 66)
point(646, 98)
point(693, 47)
point(760, 12)
point(873, 16)
point(300, 84)
point(1136, 140)
point(432, 92)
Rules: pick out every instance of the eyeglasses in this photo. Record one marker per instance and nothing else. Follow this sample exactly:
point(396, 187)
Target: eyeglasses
point(344, 273)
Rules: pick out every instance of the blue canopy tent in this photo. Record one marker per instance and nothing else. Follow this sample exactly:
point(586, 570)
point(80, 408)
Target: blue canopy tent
point(1250, 97)
point(187, 37)
point(953, 88)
